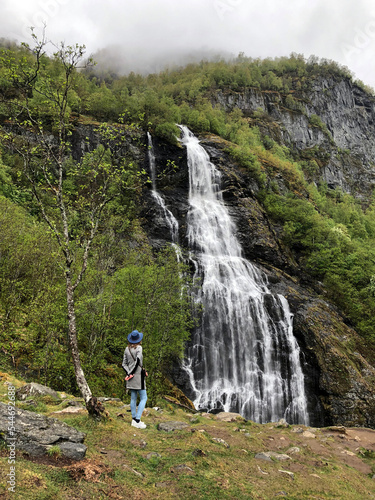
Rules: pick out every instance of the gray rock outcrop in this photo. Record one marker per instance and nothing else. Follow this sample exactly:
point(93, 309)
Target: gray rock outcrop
point(35, 434)
point(34, 389)
point(344, 143)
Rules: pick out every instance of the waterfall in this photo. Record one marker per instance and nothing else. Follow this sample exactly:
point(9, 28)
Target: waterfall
point(243, 356)
point(169, 217)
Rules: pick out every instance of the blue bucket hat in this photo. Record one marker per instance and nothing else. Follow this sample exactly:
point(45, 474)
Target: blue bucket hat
point(135, 336)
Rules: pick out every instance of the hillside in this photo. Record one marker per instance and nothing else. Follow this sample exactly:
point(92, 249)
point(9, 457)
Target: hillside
point(293, 141)
point(207, 458)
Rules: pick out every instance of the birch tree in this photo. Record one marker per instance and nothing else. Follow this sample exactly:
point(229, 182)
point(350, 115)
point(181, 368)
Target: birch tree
point(71, 196)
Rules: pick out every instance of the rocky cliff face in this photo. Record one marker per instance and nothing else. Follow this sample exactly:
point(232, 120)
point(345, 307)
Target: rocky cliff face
point(343, 142)
point(340, 382)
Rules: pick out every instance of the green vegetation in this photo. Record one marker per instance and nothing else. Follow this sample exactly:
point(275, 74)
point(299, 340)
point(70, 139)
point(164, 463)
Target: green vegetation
point(69, 203)
point(334, 239)
point(126, 285)
point(145, 293)
point(54, 451)
point(192, 463)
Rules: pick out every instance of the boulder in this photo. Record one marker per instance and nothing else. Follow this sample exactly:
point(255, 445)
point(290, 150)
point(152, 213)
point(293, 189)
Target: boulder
point(34, 389)
point(35, 434)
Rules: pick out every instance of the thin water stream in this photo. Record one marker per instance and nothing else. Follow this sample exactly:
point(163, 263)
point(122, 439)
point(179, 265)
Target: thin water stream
point(169, 217)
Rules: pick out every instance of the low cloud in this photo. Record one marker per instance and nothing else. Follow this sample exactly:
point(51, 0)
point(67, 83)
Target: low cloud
point(144, 35)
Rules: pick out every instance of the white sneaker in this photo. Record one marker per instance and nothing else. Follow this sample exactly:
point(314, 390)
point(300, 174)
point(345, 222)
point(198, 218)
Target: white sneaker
point(138, 425)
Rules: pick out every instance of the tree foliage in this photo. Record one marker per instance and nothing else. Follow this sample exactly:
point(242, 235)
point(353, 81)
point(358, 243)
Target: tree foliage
point(71, 199)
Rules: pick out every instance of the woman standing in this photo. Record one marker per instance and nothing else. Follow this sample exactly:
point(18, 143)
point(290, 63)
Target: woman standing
point(135, 377)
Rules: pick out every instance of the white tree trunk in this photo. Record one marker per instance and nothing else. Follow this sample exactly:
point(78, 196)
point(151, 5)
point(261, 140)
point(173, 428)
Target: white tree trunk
point(93, 407)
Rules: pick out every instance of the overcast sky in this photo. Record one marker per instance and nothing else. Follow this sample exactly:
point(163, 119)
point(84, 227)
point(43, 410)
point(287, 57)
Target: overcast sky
point(156, 30)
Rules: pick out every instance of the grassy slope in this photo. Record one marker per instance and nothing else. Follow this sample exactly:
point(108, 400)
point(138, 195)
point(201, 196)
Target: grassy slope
point(333, 464)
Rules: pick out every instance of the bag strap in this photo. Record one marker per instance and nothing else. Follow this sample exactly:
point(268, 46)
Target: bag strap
point(131, 354)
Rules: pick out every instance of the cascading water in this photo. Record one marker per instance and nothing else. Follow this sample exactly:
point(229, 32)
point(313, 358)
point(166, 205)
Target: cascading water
point(169, 217)
point(243, 357)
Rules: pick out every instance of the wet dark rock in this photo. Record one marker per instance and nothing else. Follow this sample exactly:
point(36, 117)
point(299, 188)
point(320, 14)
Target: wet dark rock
point(128, 144)
point(338, 382)
point(172, 181)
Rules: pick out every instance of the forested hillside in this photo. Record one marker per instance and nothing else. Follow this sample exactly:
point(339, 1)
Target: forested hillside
point(326, 225)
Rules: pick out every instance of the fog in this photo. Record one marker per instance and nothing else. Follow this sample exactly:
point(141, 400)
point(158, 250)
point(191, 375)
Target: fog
point(114, 59)
point(146, 35)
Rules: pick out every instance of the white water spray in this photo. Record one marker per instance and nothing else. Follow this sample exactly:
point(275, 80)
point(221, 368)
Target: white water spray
point(243, 357)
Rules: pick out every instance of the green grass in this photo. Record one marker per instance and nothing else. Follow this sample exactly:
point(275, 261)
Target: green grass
point(117, 455)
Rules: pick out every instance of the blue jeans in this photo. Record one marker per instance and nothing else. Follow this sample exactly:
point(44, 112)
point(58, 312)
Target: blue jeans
point(137, 413)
